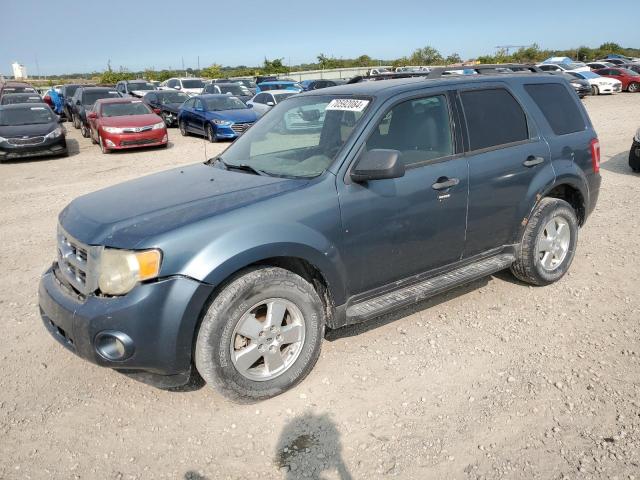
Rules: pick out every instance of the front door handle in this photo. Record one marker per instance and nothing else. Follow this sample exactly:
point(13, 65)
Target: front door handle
point(532, 161)
point(444, 182)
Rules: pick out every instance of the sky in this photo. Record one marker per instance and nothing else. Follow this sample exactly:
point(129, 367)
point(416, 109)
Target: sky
point(68, 36)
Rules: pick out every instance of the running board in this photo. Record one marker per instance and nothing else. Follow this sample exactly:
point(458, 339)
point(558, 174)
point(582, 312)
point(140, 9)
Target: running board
point(427, 288)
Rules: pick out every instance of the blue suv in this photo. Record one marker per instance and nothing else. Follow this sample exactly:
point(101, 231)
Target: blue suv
point(216, 116)
point(399, 190)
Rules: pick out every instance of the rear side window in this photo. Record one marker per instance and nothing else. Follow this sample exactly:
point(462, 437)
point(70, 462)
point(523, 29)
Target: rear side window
point(558, 107)
point(494, 118)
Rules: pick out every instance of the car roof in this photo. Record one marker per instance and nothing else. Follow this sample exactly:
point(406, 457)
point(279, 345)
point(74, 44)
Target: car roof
point(119, 100)
point(212, 95)
point(391, 87)
point(13, 83)
point(280, 92)
point(277, 82)
point(20, 106)
point(22, 94)
point(227, 84)
point(97, 89)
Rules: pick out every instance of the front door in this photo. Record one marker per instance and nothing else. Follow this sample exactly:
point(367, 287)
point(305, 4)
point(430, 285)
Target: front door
point(397, 228)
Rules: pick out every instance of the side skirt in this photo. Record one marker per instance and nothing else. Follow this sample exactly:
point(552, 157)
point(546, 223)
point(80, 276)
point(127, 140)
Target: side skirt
point(422, 289)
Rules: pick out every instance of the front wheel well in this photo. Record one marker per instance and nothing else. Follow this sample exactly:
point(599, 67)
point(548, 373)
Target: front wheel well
point(573, 197)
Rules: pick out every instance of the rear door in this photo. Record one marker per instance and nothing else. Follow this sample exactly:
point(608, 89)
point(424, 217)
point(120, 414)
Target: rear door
point(507, 159)
point(397, 228)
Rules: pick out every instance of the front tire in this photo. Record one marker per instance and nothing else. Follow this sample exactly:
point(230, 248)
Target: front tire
point(549, 243)
point(84, 131)
point(103, 147)
point(211, 136)
point(261, 335)
point(76, 121)
point(595, 90)
point(183, 128)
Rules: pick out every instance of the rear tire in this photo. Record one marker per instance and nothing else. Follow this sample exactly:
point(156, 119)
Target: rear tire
point(76, 121)
point(84, 131)
point(549, 243)
point(261, 334)
point(633, 87)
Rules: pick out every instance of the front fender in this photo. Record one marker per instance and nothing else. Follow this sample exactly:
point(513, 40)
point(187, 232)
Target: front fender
point(243, 246)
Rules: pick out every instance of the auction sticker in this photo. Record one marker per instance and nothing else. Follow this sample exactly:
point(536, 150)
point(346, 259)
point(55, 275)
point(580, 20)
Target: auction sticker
point(348, 104)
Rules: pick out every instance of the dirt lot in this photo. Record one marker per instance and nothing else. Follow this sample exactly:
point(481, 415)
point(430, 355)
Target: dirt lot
point(495, 380)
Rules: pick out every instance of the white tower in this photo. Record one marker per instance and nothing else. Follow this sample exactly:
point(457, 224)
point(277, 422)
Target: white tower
point(19, 71)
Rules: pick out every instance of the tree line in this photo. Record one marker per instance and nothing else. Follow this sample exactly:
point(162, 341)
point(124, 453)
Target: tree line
point(422, 56)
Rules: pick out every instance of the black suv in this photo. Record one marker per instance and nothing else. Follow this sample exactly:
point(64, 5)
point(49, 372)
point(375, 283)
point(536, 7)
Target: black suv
point(340, 205)
point(82, 102)
point(66, 92)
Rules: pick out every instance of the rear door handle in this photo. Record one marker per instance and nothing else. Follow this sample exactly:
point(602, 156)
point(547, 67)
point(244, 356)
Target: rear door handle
point(444, 182)
point(532, 161)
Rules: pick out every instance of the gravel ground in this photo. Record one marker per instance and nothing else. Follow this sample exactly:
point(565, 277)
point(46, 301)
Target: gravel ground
point(493, 380)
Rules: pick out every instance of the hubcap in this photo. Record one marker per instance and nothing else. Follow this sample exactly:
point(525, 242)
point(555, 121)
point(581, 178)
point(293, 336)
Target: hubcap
point(268, 339)
point(553, 243)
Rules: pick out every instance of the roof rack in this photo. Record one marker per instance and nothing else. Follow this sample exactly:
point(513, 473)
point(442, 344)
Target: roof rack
point(437, 72)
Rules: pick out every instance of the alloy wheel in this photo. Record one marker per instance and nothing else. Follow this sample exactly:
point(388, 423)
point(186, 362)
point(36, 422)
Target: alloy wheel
point(553, 243)
point(268, 339)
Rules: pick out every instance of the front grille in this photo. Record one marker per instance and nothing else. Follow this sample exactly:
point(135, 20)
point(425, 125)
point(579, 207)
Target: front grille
point(26, 141)
point(147, 141)
point(137, 129)
point(240, 128)
point(77, 262)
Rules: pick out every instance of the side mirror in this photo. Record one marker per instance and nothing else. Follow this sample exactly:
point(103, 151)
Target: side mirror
point(92, 115)
point(177, 87)
point(378, 165)
point(270, 104)
point(249, 105)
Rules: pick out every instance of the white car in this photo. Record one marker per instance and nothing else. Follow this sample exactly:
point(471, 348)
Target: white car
point(263, 101)
point(564, 67)
point(599, 65)
point(598, 83)
point(190, 86)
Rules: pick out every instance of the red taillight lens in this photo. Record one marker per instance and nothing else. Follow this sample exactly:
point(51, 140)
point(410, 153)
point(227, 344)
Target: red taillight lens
point(595, 154)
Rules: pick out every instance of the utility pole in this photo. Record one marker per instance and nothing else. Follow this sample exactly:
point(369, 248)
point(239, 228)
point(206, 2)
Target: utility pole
point(198, 63)
point(185, 72)
point(37, 67)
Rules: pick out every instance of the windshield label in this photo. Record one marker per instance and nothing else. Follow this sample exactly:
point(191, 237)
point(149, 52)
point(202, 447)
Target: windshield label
point(347, 104)
point(38, 108)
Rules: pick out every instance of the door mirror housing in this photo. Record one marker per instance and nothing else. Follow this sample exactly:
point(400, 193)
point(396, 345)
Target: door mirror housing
point(157, 111)
point(92, 115)
point(378, 164)
point(177, 87)
point(270, 104)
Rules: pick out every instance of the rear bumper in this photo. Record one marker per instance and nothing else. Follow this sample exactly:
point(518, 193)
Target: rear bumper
point(56, 146)
point(156, 321)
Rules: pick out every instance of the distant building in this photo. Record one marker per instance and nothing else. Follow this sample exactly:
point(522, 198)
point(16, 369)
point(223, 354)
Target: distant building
point(19, 71)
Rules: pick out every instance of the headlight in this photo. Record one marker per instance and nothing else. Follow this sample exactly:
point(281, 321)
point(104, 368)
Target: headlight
point(55, 134)
point(2, 139)
point(121, 270)
point(637, 137)
point(221, 122)
point(112, 129)
point(575, 85)
point(158, 126)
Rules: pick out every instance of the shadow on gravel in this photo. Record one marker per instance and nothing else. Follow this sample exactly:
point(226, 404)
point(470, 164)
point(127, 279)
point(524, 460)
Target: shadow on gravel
point(353, 330)
point(619, 163)
point(191, 475)
point(308, 446)
point(73, 147)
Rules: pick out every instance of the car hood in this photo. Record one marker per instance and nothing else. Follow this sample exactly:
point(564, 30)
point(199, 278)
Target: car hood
point(34, 130)
point(236, 116)
point(126, 214)
point(130, 120)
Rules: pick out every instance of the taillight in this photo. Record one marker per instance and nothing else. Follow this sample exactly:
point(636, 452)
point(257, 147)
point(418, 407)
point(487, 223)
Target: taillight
point(595, 154)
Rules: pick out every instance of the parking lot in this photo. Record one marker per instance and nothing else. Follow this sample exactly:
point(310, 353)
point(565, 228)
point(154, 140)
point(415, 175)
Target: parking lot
point(493, 380)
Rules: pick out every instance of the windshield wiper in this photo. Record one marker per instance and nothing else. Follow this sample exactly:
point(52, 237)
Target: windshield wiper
point(242, 167)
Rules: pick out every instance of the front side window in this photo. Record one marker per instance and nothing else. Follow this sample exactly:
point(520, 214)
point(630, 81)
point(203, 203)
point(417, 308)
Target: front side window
point(89, 98)
point(198, 104)
point(419, 129)
point(493, 118)
point(189, 103)
point(214, 104)
point(192, 83)
point(299, 138)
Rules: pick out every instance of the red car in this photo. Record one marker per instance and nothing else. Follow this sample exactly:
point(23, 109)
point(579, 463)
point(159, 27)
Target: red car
point(121, 123)
point(630, 79)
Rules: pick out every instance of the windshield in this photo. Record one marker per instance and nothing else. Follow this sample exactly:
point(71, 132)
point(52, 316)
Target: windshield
point(248, 83)
point(217, 103)
point(234, 89)
point(298, 138)
point(141, 86)
point(122, 109)
point(280, 97)
point(279, 86)
point(20, 98)
point(173, 97)
point(193, 83)
point(26, 116)
point(89, 98)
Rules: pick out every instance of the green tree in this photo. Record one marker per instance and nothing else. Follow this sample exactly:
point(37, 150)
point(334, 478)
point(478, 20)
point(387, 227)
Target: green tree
point(453, 58)
point(212, 71)
point(426, 56)
point(274, 66)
